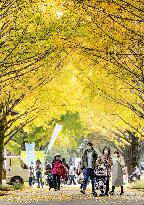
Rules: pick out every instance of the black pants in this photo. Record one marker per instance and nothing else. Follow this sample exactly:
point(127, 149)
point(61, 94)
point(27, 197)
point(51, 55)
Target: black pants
point(107, 186)
point(122, 189)
point(56, 181)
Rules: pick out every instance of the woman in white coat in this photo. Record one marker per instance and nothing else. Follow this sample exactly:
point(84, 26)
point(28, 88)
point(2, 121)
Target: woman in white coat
point(117, 173)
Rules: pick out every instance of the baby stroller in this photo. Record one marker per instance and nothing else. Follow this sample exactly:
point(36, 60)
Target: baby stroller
point(101, 174)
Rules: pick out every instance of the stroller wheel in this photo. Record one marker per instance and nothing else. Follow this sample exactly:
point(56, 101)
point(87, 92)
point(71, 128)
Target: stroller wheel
point(94, 194)
point(102, 195)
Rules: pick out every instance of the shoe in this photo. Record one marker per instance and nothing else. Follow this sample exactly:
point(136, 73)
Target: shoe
point(102, 194)
point(82, 191)
point(111, 193)
point(38, 186)
point(122, 193)
point(92, 192)
point(106, 194)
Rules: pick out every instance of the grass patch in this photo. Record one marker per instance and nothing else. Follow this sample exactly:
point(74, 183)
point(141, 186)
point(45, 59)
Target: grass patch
point(137, 185)
point(7, 188)
point(11, 187)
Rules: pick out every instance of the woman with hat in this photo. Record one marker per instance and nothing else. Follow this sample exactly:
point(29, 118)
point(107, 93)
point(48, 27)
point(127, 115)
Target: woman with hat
point(58, 170)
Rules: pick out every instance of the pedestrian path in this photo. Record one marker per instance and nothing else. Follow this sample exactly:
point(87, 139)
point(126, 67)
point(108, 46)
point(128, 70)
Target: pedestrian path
point(92, 202)
point(69, 195)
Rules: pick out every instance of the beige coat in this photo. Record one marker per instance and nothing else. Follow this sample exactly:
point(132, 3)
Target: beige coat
point(117, 172)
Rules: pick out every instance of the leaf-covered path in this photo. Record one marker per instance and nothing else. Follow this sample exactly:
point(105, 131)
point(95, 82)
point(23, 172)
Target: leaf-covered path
point(92, 202)
point(69, 196)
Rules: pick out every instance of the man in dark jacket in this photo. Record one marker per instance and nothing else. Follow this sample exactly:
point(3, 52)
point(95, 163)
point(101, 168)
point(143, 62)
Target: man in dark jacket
point(88, 164)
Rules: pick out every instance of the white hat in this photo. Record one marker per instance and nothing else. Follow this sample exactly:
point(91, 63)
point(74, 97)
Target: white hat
point(57, 154)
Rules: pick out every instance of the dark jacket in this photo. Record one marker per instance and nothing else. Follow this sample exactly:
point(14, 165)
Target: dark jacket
point(85, 160)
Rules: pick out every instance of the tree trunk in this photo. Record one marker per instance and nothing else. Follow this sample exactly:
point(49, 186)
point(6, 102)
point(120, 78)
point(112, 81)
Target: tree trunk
point(131, 153)
point(1, 157)
point(2, 136)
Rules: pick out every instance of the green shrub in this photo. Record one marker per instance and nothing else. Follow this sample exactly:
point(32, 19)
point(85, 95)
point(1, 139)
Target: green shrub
point(18, 186)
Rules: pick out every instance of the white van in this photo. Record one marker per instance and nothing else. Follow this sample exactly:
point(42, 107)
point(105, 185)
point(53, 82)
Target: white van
point(16, 170)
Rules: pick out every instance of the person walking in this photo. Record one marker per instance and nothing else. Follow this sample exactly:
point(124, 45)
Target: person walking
point(88, 164)
point(48, 175)
point(72, 174)
point(47, 167)
point(137, 173)
point(31, 176)
point(58, 170)
point(107, 161)
point(117, 173)
point(38, 169)
point(65, 178)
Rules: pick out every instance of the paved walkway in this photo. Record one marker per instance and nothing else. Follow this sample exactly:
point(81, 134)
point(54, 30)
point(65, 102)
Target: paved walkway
point(69, 195)
point(75, 203)
point(78, 202)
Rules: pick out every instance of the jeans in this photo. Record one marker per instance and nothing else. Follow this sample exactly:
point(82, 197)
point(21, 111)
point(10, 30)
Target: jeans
point(72, 179)
point(56, 181)
point(30, 181)
point(39, 178)
point(88, 173)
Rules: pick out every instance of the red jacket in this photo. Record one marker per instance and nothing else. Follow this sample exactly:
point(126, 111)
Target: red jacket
point(58, 168)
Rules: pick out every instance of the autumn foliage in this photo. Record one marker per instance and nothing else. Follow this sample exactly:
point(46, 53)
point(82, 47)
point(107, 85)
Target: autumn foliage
point(75, 56)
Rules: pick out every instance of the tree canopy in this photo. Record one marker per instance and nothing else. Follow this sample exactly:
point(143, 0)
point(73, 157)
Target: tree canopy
point(60, 58)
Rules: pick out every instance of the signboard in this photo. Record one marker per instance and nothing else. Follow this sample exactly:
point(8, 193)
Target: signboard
point(55, 133)
point(30, 154)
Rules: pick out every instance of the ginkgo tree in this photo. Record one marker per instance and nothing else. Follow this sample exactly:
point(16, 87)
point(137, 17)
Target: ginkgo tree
point(111, 36)
point(77, 56)
point(33, 53)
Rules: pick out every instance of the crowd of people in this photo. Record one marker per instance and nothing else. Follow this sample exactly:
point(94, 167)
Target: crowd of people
point(94, 168)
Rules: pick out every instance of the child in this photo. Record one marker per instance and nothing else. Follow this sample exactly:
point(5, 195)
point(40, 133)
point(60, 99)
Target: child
point(31, 176)
point(80, 180)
